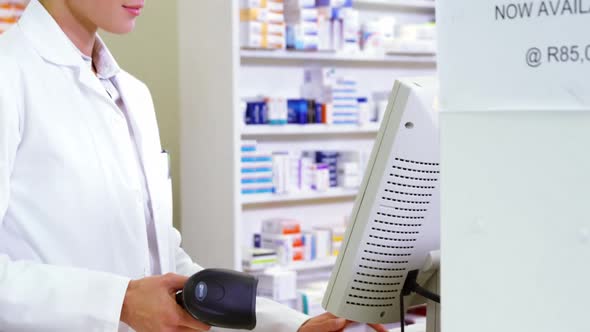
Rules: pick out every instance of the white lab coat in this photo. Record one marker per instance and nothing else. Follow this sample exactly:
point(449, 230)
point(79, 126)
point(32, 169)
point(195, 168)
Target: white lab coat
point(72, 229)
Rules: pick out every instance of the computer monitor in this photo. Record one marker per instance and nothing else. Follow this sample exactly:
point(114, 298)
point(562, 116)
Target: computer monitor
point(395, 224)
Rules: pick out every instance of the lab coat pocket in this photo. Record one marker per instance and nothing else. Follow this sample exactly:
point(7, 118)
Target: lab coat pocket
point(165, 179)
point(162, 208)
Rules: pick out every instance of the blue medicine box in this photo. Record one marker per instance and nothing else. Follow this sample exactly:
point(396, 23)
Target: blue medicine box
point(331, 159)
point(297, 111)
point(256, 113)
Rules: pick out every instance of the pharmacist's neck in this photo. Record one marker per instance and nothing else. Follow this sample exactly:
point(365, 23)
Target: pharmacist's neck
point(80, 31)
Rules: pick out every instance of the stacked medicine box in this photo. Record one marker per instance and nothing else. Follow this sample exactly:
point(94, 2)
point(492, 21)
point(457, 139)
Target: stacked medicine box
point(309, 298)
point(324, 25)
point(288, 172)
point(330, 159)
point(339, 26)
point(292, 244)
point(340, 93)
point(256, 170)
point(284, 236)
point(301, 17)
point(262, 24)
point(345, 108)
point(328, 97)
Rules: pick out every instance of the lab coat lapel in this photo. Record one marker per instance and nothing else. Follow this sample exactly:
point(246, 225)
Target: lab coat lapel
point(52, 44)
point(55, 47)
point(87, 78)
point(139, 108)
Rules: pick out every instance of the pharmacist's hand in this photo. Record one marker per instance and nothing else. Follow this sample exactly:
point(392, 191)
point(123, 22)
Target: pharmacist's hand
point(150, 306)
point(330, 323)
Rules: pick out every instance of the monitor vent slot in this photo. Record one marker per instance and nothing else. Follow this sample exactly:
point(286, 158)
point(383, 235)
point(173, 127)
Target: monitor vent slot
point(380, 298)
point(397, 208)
point(383, 261)
point(399, 216)
point(409, 185)
point(404, 201)
point(368, 304)
point(388, 246)
point(391, 239)
point(416, 162)
point(380, 276)
point(390, 231)
point(374, 290)
point(395, 226)
point(407, 194)
point(414, 170)
point(377, 283)
point(386, 253)
point(371, 267)
point(413, 178)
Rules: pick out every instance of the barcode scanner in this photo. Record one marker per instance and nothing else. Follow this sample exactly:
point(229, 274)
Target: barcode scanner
point(221, 298)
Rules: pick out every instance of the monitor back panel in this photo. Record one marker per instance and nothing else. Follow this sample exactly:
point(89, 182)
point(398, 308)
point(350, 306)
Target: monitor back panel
point(395, 220)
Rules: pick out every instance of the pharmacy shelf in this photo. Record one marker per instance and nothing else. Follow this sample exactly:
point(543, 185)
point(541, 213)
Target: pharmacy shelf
point(294, 56)
point(309, 129)
point(327, 263)
point(336, 193)
point(406, 4)
point(274, 73)
point(306, 266)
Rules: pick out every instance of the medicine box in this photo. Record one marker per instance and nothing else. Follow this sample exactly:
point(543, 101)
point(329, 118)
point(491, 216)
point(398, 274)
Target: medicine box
point(301, 15)
point(256, 170)
point(281, 226)
point(261, 15)
point(262, 28)
point(291, 4)
point(255, 259)
point(289, 247)
point(278, 284)
point(273, 5)
point(253, 40)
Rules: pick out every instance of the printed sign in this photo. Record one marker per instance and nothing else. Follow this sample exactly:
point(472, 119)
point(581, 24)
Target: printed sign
point(514, 55)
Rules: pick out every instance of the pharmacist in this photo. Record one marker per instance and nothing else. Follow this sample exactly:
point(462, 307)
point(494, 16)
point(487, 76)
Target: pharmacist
point(86, 236)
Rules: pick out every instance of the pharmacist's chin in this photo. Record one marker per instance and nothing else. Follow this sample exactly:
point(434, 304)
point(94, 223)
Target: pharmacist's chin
point(120, 25)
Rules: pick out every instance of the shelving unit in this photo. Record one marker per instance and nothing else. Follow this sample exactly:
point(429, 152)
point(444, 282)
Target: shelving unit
point(314, 265)
point(403, 4)
point(333, 57)
point(217, 221)
point(310, 129)
point(337, 193)
point(323, 264)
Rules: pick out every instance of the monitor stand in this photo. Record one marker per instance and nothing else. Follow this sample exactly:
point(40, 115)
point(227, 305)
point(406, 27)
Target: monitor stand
point(432, 265)
point(432, 284)
point(433, 308)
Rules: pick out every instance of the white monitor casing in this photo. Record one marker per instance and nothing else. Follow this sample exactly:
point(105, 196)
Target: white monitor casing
point(395, 222)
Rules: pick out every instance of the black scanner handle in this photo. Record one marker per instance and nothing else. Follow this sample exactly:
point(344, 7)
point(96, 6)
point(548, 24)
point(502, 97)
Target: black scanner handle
point(221, 298)
point(179, 299)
